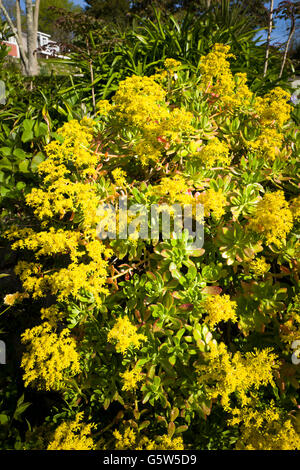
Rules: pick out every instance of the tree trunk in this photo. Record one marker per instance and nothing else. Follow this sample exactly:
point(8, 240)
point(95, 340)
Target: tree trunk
point(287, 46)
point(269, 36)
point(31, 40)
point(16, 34)
point(24, 62)
point(29, 60)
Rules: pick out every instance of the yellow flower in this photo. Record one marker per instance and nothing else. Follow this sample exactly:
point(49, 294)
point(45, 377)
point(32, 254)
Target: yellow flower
point(272, 218)
point(174, 189)
point(125, 335)
point(273, 108)
point(11, 299)
point(126, 440)
point(140, 103)
point(104, 107)
point(67, 190)
point(168, 443)
point(295, 207)
point(224, 373)
point(214, 152)
point(259, 266)
point(51, 314)
point(267, 429)
point(268, 144)
point(220, 308)
point(129, 439)
point(73, 435)
point(119, 176)
point(214, 201)
point(50, 357)
point(171, 64)
point(131, 378)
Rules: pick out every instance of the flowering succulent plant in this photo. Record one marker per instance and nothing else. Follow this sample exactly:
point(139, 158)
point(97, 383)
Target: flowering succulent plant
point(175, 334)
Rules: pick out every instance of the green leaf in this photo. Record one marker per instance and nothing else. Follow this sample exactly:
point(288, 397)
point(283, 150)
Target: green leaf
point(171, 429)
point(23, 166)
point(28, 124)
point(6, 164)
point(27, 135)
point(37, 159)
point(19, 153)
point(6, 151)
point(4, 419)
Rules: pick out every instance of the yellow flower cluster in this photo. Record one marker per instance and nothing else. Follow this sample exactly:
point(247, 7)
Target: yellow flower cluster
point(266, 429)
point(214, 152)
point(220, 308)
point(215, 70)
point(273, 108)
point(50, 242)
point(272, 218)
point(104, 107)
point(168, 443)
point(214, 201)
point(73, 435)
point(129, 440)
point(224, 373)
point(273, 112)
point(69, 281)
point(259, 266)
point(126, 440)
point(171, 64)
point(50, 358)
point(11, 299)
point(51, 314)
point(140, 102)
point(131, 378)
point(231, 92)
point(119, 176)
point(295, 207)
point(65, 188)
point(174, 189)
point(65, 192)
point(124, 333)
point(217, 79)
point(268, 144)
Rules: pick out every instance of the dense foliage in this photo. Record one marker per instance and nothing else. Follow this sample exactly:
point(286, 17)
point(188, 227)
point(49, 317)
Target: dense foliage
point(151, 343)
